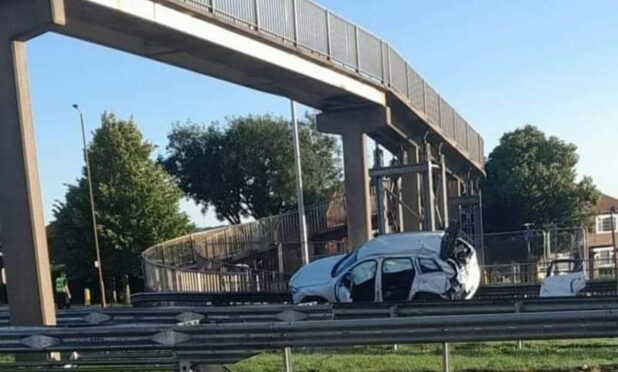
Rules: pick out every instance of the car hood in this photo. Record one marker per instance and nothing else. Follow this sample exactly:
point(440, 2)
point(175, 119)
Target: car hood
point(316, 273)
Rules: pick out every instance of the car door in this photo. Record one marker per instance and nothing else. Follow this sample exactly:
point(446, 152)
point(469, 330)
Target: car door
point(396, 279)
point(358, 284)
point(431, 279)
point(563, 279)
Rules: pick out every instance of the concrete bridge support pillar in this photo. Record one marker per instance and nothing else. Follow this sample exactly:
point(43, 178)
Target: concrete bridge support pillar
point(353, 126)
point(22, 228)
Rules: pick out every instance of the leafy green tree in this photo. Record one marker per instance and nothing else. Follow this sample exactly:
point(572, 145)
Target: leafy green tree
point(246, 168)
point(532, 178)
point(136, 207)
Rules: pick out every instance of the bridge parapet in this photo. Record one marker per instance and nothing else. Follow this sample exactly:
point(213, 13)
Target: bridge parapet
point(308, 27)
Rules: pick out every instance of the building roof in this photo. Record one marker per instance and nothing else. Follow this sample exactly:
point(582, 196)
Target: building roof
point(605, 203)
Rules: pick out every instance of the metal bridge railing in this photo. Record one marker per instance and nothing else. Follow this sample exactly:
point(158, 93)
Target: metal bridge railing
point(310, 27)
point(178, 264)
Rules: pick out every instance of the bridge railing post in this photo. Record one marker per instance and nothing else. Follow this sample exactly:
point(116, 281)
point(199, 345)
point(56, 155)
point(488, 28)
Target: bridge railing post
point(295, 21)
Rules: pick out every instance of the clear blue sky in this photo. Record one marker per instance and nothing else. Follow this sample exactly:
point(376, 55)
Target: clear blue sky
point(500, 64)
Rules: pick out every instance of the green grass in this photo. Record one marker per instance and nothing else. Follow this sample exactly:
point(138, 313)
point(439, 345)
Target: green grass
point(547, 356)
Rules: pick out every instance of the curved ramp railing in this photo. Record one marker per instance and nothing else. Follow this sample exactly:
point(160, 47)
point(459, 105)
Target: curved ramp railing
point(204, 261)
point(309, 27)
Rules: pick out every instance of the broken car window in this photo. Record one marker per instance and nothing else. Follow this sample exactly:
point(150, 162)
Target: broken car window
point(362, 281)
point(397, 278)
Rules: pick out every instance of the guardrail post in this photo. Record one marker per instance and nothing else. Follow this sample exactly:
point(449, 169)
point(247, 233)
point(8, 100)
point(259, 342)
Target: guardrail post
point(446, 357)
point(288, 366)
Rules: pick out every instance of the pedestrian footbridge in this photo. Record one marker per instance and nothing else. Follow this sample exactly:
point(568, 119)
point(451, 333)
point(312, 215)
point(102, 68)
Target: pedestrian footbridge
point(292, 48)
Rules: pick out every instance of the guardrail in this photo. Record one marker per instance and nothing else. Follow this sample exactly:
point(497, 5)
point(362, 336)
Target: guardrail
point(188, 315)
point(307, 26)
point(201, 314)
point(178, 338)
point(222, 338)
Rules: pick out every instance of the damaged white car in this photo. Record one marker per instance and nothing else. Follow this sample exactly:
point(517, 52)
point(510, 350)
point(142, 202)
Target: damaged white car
point(396, 267)
point(564, 278)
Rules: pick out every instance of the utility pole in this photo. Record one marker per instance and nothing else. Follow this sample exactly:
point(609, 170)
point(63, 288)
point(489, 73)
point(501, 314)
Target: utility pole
point(97, 263)
point(612, 212)
point(302, 222)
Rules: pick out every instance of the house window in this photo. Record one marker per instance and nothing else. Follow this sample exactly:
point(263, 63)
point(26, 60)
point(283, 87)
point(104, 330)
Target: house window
point(604, 257)
point(604, 224)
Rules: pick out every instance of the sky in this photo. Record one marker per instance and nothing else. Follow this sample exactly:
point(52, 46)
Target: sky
point(501, 64)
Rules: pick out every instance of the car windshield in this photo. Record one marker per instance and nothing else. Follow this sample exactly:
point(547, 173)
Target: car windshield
point(344, 263)
point(563, 267)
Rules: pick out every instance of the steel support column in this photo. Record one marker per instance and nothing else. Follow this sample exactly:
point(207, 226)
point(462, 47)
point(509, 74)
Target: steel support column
point(444, 192)
point(411, 192)
point(429, 198)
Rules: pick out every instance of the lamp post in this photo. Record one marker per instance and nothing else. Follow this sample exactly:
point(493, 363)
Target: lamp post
point(302, 222)
point(612, 212)
point(97, 263)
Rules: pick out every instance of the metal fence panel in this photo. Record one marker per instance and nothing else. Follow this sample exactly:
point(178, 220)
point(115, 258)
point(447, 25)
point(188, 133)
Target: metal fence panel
point(432, 105)
point(370, 54)
point(201, 5)
point(447, 119)
point(237, 10)
point(277, 17)
point(311, 23)
point(460, 131)
point(342, 41)
point(398, 72)
point(415, 87)
point(472, 145)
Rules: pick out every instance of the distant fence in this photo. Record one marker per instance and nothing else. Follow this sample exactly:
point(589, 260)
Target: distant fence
point(522, 257)
point(206, 261)
point(202, 261)
point(309, 27)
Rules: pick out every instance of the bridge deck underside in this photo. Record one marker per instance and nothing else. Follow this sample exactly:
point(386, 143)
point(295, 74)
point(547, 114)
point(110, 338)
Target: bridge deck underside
point(152, 40)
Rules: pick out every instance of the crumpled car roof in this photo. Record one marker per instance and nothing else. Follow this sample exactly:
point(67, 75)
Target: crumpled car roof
point(412, 243)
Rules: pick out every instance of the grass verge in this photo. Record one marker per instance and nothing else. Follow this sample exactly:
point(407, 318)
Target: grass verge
point(546, 356)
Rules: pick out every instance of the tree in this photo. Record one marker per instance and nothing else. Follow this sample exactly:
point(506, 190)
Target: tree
point(247, 167)
point(532, 178)
point(136, 207)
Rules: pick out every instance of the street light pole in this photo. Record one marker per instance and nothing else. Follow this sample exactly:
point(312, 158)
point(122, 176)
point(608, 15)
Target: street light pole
point(302, 222)
point(612, 211)
point(92, 211)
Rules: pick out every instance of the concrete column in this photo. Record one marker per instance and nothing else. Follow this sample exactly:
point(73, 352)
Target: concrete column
point(429, 198)
point(411, 193)
point(357, 197)
point(22, 228)
point(353, 125)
